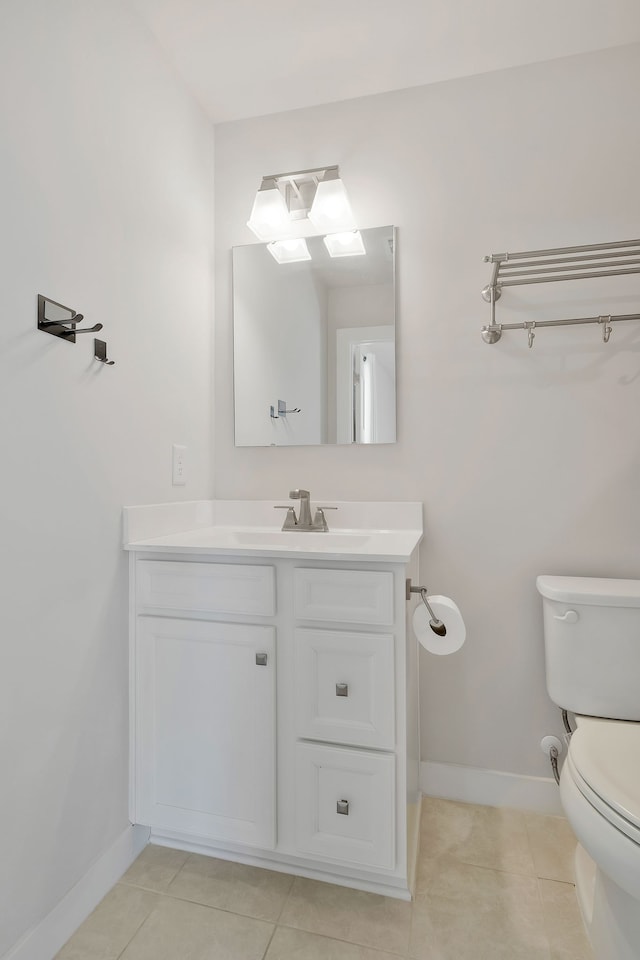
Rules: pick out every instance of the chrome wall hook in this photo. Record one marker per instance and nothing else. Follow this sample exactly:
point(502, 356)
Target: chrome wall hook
point(607, 329)
point(282, 410)
point(530, 327)
point(100, 352)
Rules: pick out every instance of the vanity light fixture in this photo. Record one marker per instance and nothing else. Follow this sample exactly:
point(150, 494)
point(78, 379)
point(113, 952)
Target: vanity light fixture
point(331, 210)
point(270, 216)
point(292, 204)
point(289, 251)
point(348, 244)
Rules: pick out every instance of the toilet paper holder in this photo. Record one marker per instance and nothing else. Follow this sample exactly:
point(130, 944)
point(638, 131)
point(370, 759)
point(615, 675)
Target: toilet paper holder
point(436, 625)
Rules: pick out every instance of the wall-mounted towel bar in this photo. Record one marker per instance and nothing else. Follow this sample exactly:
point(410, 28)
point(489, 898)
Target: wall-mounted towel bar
point(552, 265)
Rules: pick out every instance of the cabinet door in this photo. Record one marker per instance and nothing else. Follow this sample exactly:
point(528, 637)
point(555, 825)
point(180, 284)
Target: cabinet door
point(205, 729)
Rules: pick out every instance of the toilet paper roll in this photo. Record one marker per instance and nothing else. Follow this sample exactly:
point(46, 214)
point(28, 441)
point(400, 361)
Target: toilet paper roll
point(446, 610)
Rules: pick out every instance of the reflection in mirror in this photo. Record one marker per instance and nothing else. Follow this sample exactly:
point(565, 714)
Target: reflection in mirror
point(314, 344)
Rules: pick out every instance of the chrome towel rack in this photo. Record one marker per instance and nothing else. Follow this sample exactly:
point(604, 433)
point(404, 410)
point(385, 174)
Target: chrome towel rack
point(551, 266)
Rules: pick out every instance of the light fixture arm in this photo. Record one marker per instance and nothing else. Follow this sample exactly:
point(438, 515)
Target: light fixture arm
point(322, 173)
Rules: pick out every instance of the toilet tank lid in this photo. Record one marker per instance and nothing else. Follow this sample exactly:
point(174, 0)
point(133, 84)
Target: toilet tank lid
point(590, 590)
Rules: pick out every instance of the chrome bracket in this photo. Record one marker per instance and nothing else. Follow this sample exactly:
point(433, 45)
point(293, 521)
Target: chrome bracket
point(282, 410)
point(486, 292)
point(492, 333)
point(607, 329)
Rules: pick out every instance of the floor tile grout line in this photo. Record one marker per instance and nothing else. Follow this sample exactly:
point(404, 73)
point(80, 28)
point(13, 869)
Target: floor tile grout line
point(179, 870)
point(484, 866)
point(135, 934)
point(199, 903)
point(351, 943)
point(286, 899)
point(268, 946)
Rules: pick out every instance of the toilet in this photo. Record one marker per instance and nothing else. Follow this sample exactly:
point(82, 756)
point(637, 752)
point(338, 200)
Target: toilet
point(592, 654)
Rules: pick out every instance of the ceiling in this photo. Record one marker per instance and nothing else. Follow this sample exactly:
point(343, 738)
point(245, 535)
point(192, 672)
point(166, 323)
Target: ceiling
point(244, 58)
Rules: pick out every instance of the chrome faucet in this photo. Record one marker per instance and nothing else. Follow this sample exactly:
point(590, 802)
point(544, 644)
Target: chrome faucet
point(303, 522)
point(304, 517)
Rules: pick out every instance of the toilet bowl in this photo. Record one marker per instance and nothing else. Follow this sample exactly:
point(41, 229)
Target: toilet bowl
point(592, 646)
point(600, 794)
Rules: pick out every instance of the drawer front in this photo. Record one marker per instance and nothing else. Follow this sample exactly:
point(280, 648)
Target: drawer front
point(345, 687)
point(347, 596)
point(206, 587)
point(345, 807)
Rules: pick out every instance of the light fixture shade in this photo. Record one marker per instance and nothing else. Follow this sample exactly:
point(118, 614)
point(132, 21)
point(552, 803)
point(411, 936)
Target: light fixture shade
point(289, 251)
point(349, 244)
point(269, 217)
point(331, 211)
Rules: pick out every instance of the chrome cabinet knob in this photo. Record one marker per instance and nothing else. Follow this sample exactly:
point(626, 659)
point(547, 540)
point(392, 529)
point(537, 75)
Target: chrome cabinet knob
point(261, 659)
point(342, 806)
point(342, 689)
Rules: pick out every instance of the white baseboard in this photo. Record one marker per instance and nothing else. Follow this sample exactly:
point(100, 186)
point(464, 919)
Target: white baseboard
point(43, 941)
point(493, 788)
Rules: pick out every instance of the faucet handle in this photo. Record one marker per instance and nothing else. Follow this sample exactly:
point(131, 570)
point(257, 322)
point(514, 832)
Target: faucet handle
point(319, 520)
point(290, 521)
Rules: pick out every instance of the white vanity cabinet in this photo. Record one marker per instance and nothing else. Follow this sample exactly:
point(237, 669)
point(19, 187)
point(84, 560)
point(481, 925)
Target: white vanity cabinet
point(274, 711)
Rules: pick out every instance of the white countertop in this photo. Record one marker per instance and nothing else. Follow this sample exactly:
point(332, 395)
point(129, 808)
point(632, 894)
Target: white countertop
point(375, 532)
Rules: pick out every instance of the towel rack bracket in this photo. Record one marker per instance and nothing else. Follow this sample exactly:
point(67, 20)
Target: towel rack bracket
point(487, 292)
point(492, 334)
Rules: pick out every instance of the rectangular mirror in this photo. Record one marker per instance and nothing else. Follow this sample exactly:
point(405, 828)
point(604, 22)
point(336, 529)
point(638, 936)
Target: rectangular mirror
point(314, 344)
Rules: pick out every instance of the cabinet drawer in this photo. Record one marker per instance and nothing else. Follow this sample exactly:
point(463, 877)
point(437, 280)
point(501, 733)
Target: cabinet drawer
point(362, 786)
point(345, 687)
point(348, 596)
point(206, 587)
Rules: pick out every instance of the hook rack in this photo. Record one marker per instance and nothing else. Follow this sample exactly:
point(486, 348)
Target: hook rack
point(60, 321)
point(551, 266)
point(100, 352)
point(282, 410)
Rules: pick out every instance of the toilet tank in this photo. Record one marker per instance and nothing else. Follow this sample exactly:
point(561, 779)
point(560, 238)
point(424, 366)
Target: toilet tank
point(592, 645)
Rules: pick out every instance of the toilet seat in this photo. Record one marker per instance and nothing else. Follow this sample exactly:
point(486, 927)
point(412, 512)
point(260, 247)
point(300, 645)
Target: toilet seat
point(600, 794)
point(604, 762)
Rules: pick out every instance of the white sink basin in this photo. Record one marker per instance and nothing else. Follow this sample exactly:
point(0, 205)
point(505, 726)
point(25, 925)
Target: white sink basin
point(293, 540)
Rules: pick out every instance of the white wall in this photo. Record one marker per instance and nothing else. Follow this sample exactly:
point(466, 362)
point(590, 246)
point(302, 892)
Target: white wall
point(106, 195)
point(526, 460)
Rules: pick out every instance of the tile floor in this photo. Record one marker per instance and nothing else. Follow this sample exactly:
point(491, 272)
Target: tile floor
point(492, 885)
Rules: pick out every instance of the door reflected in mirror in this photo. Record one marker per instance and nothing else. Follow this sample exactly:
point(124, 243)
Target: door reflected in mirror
point(314, 344)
